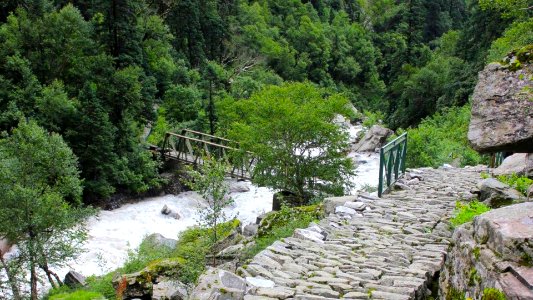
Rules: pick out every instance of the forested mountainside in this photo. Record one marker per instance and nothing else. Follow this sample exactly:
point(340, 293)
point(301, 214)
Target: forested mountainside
point(97, 72)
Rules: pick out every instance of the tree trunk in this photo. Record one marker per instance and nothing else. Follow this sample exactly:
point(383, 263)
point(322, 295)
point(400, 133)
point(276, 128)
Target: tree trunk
point(12, 280)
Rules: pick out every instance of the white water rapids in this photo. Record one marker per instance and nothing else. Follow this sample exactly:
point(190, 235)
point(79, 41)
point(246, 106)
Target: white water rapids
point(113, 233)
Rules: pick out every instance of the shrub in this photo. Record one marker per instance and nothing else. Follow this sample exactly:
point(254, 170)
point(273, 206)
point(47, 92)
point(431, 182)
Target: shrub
point(440, 139)
point(493, 294)
point(373, 118)
point(281, 224)
point(78, 295)
point(464, 213)
point(520, 183)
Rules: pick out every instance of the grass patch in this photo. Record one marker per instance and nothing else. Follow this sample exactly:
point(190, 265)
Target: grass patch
point(520, 183)
point(465, 213)
point(281, 224)
point(78, 295)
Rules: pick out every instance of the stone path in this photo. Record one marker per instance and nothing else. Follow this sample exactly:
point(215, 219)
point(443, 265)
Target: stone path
point(369, 248)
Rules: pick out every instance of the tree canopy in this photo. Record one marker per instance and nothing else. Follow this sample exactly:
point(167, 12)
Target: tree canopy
point(289, 129)
point(40, 193)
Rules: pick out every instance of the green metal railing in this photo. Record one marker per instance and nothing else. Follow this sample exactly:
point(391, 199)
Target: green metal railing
point(392, 162)
point(496, 159)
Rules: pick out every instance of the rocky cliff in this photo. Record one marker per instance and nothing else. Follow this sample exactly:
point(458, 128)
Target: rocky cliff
point(502, 105)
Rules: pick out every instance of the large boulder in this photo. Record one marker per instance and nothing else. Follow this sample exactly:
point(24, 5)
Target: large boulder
point(495, 251)
point(495, 193)
point(74, 279)
point(520, 164)
point(217, 284)
point(169, 290)
point(374, 138)
point(502, 110)
point(157, 240)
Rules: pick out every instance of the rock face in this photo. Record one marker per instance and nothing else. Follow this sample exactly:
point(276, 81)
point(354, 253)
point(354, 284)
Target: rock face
point(495, 251)
point(520, 164)
point(496, 194)
point(374, 138)
point(502, 110)
point(216, 284)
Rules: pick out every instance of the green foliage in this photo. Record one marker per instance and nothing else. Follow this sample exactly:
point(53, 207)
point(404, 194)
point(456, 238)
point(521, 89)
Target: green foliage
point(518, 35)
point(147, 252)
point(78, 295)
point(442, 139)
point(210, 183)
point(373, 118)
point(493, 294)
point(40, 194)
point(281, 224)
point(520, 183)
point(102, 285)
point(465, 213)
point(289, 130)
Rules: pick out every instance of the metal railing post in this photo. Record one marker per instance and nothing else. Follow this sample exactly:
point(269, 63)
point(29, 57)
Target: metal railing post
point(392, 162)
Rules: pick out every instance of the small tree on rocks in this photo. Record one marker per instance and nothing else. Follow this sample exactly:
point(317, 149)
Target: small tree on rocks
point(209, 181)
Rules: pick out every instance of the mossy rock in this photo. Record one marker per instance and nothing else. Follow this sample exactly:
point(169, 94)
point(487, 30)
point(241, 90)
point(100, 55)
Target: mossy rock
point(285, 216)
point(140, 284)
point(517, 58)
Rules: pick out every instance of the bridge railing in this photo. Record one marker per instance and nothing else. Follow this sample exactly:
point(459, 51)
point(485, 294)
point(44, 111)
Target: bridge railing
point(392, 162)
point(191, 146)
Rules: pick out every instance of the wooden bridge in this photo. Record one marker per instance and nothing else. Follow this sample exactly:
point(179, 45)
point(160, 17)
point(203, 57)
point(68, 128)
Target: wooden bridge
point(191, 146)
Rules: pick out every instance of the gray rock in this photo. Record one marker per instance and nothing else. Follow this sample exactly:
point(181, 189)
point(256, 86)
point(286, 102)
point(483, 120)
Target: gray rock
point(169, 290)
point(74, 279)
point(356, 205)
point(158, 240)
point(345, 210)
point(239, 187)
point(520, 164)
point(218, 284)
point(259, 282)
point(165, 210)
point(331, 203)
point(496, 194)
point(305, 234)
point(502, 230)
point(231, 251)
point(169, 212)
point(250, 230)
point(502, 116)
point(374, 138)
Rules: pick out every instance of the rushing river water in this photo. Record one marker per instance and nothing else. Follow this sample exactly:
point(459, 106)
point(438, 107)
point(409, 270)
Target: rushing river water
point(113, 233)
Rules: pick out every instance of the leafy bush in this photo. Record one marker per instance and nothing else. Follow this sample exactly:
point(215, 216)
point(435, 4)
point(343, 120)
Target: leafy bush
point(78, 295)
point(372, 118)
point(520, 183)
point(281, 224)
point(442, 139)
point(493, 294)
point(517, 35)
point(464, 213)
point(102, 285)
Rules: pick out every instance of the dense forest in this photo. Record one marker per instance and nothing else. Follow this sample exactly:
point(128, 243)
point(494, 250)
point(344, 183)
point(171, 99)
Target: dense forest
point(98, 72)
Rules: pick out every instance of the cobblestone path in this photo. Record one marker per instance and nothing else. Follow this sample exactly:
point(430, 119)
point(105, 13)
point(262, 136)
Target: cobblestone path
point(368, 248)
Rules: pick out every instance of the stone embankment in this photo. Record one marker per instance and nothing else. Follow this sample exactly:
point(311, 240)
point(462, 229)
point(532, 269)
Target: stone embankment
point(367, 248)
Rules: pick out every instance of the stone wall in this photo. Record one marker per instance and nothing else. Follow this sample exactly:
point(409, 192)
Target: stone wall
point(495, 251)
